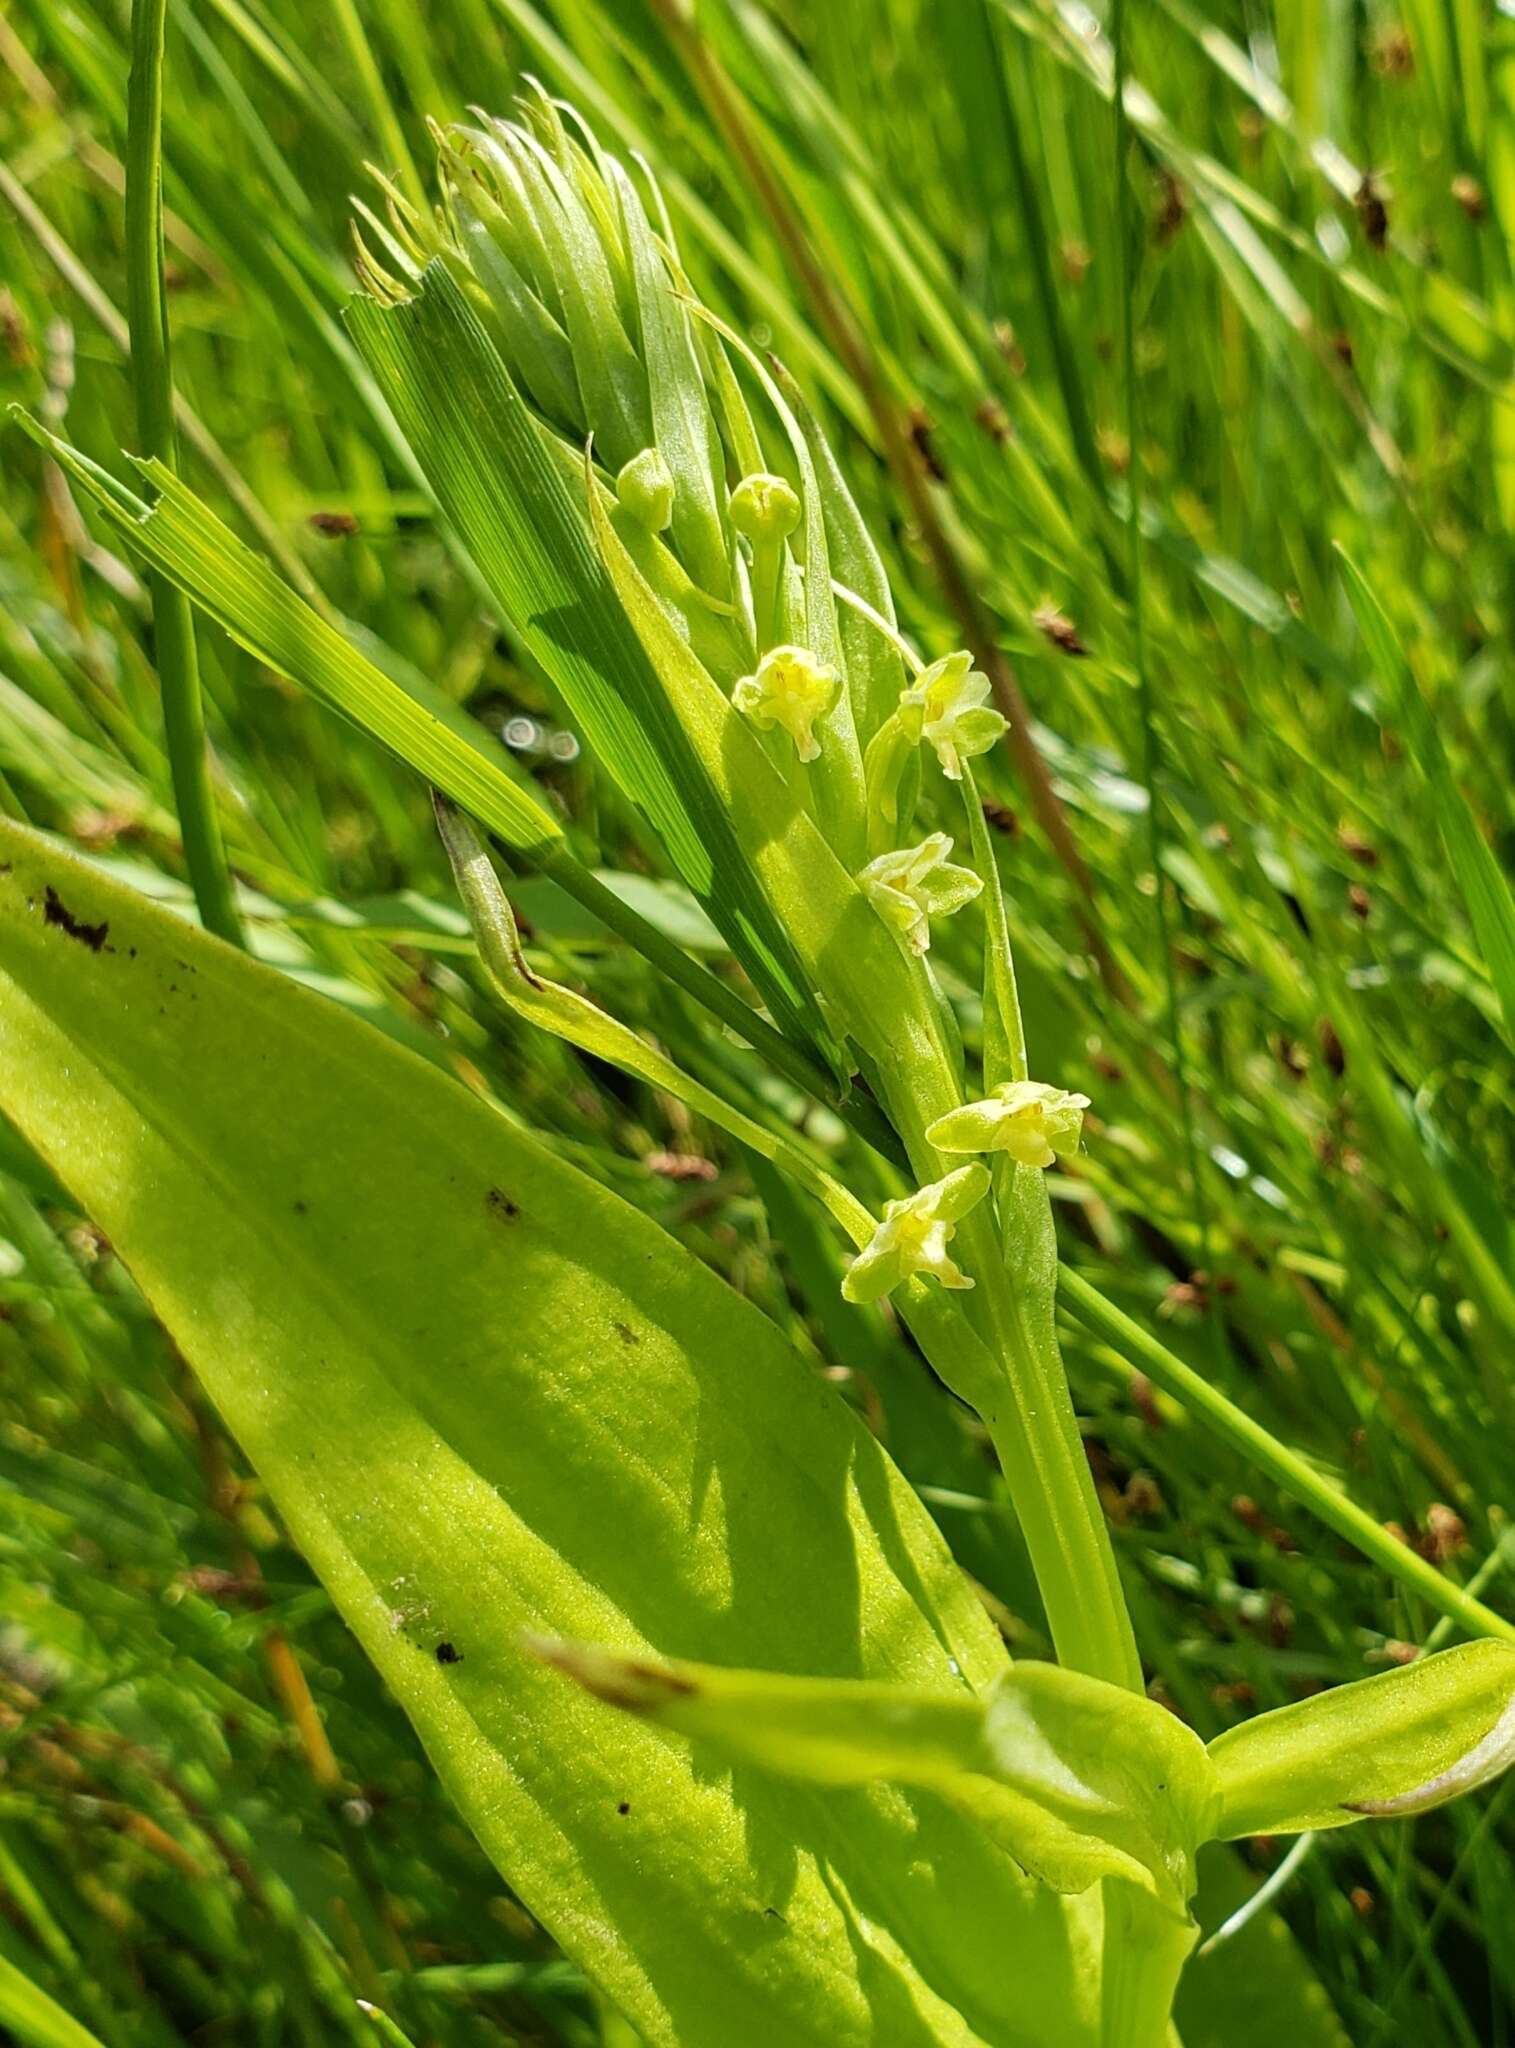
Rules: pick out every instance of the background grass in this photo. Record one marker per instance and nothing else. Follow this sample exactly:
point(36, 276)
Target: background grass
point(214, 1825)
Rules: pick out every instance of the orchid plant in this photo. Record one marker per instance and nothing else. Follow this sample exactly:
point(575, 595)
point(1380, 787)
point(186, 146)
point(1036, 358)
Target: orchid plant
point(807, 1799)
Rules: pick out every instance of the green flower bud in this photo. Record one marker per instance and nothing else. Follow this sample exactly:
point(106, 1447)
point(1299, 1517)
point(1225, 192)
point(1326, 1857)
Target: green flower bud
point(764, 508)
point(645, 489)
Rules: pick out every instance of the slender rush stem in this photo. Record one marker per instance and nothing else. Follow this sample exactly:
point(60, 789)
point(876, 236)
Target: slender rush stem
point(1127, 231)
point(1291, 1472)
point(152, 378)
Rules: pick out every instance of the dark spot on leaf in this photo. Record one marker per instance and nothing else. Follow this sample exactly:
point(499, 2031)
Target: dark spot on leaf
point(448, 1653)
point(624, 1808)
point(502, 1206)
point(334, 525)
point(57, 912)
point(626, 1334)
point(773, 1913)
point(300, 1208)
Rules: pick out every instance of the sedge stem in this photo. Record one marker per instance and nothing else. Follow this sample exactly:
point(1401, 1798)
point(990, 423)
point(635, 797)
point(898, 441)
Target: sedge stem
point(152, 380)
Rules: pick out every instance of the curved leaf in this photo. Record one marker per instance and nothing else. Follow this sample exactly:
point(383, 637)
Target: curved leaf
point(1076, 1779)
point(1399, 1743)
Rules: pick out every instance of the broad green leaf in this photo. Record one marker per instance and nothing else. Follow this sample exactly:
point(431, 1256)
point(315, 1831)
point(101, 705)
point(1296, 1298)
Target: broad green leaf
point(1107, 1760)
point(1399, 1743)
point(503, 491)
point(488, 1397)
point(1076, 1779)
point(1483, 885)
point(33, 2019)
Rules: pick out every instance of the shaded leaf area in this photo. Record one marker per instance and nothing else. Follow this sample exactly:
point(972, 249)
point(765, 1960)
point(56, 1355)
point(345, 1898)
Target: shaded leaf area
point(526, 1408)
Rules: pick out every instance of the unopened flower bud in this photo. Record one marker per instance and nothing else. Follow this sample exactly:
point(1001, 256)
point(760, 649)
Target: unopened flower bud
point(791, 689)
point(909, 888)
point(764, 507)
point(645, 489)
point(946, 706)
point(913, 1237)
point(1032, 1121)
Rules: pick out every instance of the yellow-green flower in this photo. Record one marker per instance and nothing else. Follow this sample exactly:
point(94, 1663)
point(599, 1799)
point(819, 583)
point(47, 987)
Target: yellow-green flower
point(791, 689)
point(1032, 1121)
point(947, 706)
point(913, 1237)
point(910, 887)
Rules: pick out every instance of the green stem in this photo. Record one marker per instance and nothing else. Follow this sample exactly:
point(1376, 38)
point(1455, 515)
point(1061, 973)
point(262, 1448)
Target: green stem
point(1146, 1947)
point(1291, 1472)
point(1028, 1410)
point(152, 378)
point(1032, 1424)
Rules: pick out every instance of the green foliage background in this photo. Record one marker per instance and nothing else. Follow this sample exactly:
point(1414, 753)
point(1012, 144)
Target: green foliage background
point(214, 1822)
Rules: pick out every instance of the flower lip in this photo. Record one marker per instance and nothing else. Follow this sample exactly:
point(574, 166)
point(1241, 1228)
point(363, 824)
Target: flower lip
point(791, 689)
point(1034, 1122)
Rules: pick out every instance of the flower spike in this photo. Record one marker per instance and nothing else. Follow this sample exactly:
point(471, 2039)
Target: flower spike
point(791, 689)
point(913, 1237)
point(946, 706)
point(1031, 1120)
point(909, 888)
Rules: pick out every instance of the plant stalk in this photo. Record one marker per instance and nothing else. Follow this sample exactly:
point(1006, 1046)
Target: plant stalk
point(152, 380)
point(1034, 1429)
